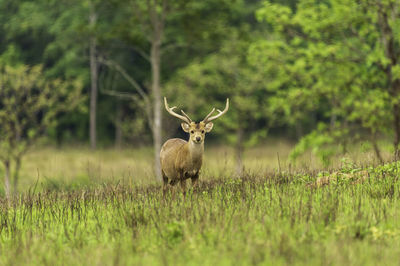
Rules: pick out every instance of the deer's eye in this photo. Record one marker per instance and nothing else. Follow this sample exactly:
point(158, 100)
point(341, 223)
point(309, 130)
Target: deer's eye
point(202, 132)
point(192, 132)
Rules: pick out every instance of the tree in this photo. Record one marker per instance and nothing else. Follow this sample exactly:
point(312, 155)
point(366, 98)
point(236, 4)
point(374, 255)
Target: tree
point(93, 76)
point(29, 104)
point(53, 34)
point(335, 59)
point(60, 36)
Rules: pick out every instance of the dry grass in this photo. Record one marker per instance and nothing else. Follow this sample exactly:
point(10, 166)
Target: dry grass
point(76, 166)
point(68, 165)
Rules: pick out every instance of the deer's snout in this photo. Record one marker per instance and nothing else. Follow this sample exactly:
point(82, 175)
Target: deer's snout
point(198, 139)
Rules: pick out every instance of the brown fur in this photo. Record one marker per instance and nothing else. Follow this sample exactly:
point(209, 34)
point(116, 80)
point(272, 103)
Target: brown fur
point(182, 159)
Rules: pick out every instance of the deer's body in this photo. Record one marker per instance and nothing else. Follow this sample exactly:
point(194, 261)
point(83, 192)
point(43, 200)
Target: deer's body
point(181, 159)
point(176, 169)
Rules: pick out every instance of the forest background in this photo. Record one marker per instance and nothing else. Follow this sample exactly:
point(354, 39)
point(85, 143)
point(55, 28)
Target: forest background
point(323, 74)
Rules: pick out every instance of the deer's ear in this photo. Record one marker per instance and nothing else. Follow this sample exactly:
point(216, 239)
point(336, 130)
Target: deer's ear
point(185, 127)
point(208, 126)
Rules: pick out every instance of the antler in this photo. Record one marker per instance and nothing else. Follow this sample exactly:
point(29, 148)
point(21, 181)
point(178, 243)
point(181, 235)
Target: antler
point(183, 117)
point(210, 118)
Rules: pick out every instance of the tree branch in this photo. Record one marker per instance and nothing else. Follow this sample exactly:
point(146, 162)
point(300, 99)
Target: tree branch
point(128, 95)
point(135, 84)
point(129, 78)
point(141, 52)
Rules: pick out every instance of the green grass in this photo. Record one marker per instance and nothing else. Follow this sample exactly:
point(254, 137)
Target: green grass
point(351, 218)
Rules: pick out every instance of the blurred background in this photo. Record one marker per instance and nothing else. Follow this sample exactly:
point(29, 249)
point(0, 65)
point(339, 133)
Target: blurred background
point(312, 83)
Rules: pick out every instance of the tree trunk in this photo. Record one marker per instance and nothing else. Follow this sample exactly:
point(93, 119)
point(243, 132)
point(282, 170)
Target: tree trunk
point(239, 152)
point(7, 186)
point(155, 58)
point(93, 78)
point(396, 121)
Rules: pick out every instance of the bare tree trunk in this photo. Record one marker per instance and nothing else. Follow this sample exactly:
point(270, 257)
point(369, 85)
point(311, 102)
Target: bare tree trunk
point(155, 58)
point(239, 151)
point(118, 127)
point(7, 186)
point(94, 78)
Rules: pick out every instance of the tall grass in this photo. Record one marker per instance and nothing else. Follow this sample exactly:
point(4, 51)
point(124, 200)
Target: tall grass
point(269, 220)
point(105, 208)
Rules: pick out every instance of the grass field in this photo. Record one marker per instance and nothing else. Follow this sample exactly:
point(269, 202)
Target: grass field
point(105, 208)
point(76, 167)
point(73, 167)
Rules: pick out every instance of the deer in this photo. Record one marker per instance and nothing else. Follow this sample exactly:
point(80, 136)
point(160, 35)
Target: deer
point(181, 159)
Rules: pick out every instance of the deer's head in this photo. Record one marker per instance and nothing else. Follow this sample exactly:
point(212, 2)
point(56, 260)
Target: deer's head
point(197, 131)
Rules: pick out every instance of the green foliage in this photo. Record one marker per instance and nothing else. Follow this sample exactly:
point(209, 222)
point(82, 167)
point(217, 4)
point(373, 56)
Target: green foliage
point(330, 58)
point(221, 75)
point(29, 104)
point(324, 142)
point(286, 65)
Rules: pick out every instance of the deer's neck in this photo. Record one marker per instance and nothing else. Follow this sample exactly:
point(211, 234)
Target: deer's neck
point(196, 152)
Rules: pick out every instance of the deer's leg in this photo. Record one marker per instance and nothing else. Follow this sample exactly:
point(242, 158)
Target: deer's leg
point(182, 180)
point(195, 178)
point(175, 180)
point(165, 182)
point(183, 186)
point(172, 184)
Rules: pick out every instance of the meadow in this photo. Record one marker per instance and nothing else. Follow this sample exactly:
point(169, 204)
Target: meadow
point(104, 208)
point(314, 81)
